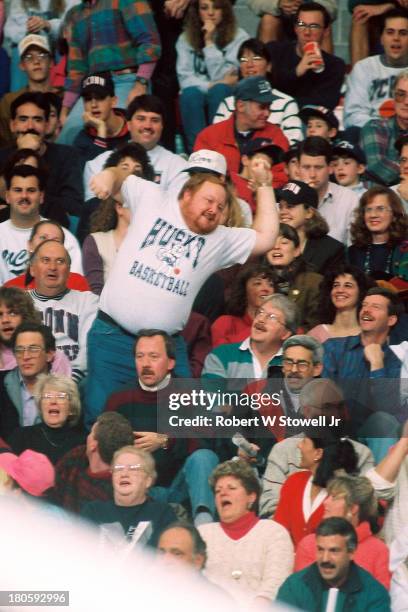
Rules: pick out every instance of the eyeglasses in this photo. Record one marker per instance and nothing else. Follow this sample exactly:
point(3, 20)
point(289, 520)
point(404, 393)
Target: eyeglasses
point(269, 316)
point(254, 58)
point(400, 95)
point(32, 349)
point(301, 364)
point(11, 315)
point(61, 396)
point(377, 209)
point(313, 27)
point(119, 467)
point(35, 57)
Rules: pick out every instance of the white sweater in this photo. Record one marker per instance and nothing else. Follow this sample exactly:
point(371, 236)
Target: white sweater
point(199, 69)
point(70, 316)
point(253, 566)
point(370, 85)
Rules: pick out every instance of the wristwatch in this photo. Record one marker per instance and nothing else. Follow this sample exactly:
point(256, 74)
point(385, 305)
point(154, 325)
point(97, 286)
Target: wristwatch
point(142, 80)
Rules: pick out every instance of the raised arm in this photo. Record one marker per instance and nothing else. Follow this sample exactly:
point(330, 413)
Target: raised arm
point(266, 222)
point(108, 183)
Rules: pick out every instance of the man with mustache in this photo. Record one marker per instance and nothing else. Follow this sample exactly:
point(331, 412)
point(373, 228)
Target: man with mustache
point(369, 372)
point(334, 578)
point(30, 113)
point(25, 187)
point(181, 476)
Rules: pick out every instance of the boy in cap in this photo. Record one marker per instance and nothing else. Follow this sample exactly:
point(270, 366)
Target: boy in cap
point(290, 159)
point(319, 121)
point(253, 97)
point(105, 126)
point(253, 151)
point(349, 163)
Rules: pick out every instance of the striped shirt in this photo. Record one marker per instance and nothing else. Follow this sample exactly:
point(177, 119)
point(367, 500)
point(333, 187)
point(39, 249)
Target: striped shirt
point(284, 112)
point(237, 360)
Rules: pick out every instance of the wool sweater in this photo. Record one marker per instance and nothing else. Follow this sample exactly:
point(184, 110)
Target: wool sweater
point(253, 566)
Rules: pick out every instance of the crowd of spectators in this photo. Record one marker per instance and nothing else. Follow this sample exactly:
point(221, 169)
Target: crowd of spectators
point(185, 207)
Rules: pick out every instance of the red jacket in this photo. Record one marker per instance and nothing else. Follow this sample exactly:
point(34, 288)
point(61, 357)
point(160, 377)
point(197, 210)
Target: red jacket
point(221, 137)
point(289, 512)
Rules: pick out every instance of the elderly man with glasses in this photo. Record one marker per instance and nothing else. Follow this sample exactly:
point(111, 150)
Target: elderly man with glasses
point(253, 358)
point(379, 136)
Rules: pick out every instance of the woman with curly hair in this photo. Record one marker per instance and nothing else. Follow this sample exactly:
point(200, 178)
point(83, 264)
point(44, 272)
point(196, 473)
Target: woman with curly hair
point(379, 235)
point(207, 66)
point(341, 293)
point(248, 557)
point(253, 284)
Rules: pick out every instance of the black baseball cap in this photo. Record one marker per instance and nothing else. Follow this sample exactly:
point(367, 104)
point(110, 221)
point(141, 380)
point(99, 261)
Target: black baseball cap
point(298, 192)
point(344, 147)
point(100, 84)
point(313, 110)
point(263, 145)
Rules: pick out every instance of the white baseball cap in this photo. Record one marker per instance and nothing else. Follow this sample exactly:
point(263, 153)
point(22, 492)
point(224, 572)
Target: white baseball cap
point(33, 40)
point(205, 160)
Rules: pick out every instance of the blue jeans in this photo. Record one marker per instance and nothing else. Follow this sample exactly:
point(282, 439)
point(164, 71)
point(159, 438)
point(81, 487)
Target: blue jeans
point(193, 105)
point(111, 365)
point(372, 434)
point(123, 84)
point(191, 483)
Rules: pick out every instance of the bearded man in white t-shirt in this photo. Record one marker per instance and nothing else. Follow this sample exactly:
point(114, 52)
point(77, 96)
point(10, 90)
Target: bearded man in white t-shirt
point(171, 248)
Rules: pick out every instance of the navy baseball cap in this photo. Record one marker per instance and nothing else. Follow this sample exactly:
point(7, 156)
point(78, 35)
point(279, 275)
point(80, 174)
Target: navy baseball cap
point(344, 147)
point(312, 110)
point(255, 88)
point(100, 84)
point(263, 145)
point(298, 192)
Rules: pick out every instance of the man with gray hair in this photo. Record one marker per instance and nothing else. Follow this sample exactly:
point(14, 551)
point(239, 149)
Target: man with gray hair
point(273, 323)
point(302, 360)
point(318, 397)
point(378, 137)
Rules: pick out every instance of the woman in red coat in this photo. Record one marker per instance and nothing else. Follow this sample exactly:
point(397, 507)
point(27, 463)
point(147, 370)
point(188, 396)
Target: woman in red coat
point(300, 508)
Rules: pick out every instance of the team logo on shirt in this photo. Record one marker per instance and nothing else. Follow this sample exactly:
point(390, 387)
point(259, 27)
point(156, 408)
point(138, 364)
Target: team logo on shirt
point(172, 247)
point(174, 244)
point(16, 262)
